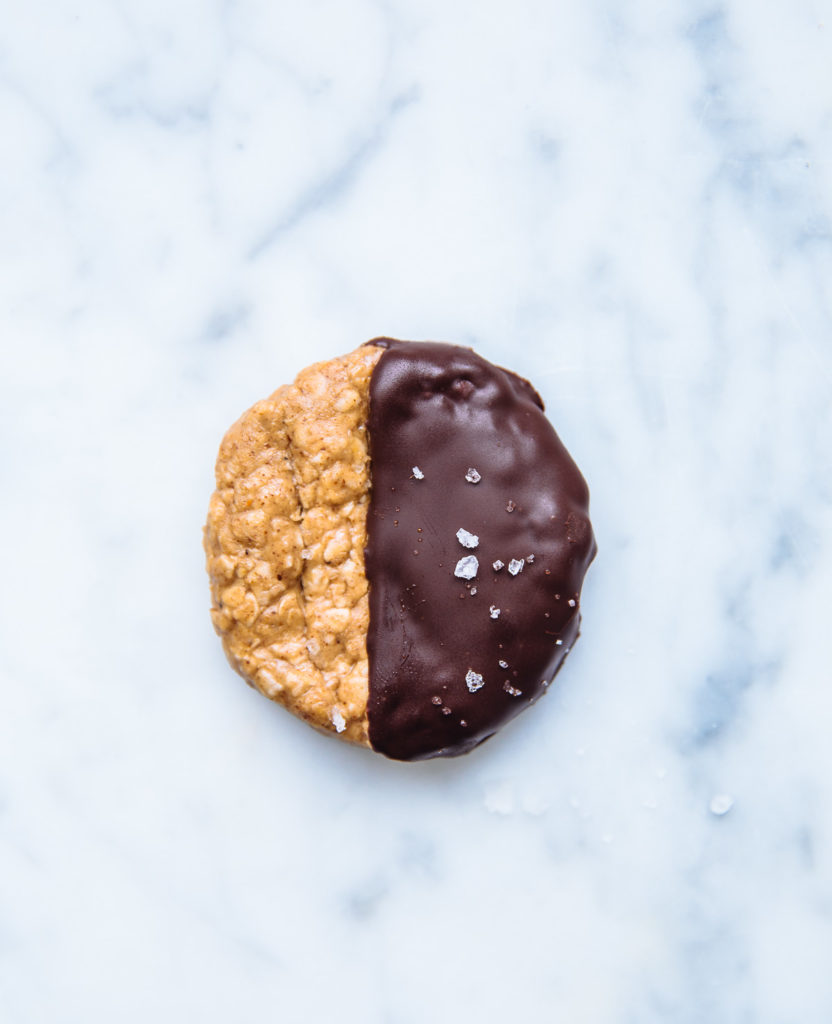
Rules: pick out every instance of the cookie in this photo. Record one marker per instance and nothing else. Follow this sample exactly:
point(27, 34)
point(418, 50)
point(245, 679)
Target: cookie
point(396, 547)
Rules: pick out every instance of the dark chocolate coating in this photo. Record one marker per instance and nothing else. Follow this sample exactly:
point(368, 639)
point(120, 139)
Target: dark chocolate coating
point(445, 410)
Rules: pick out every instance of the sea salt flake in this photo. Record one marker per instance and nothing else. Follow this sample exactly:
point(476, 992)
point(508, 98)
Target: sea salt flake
point(472, 476)
point(502, 664)
point(474, 681)
point(338, 720)
point(500, 799)
point(516, 565)
point(496, 566)
point(571, 602)
point(512, 691)
point(535, 804)
point(446, 710)
point(418, 473)
point(466, 539)
point(473, 591)
point(494, 612)
point(436, 700)
point(467, 567)
point(558, 642)
point(510, 507)
point(721, 804)
point(529, 558)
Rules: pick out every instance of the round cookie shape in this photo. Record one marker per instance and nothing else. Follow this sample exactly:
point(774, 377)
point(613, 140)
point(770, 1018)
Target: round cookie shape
point(478, 542)
point(396, 547)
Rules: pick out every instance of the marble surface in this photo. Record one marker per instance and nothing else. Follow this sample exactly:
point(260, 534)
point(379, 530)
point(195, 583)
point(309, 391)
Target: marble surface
point(629, 203)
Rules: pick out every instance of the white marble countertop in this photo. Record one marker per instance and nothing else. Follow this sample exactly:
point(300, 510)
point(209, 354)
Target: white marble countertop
point(631, 204)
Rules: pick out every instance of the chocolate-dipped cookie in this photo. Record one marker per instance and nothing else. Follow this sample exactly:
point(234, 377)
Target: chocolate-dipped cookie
point(396, 547)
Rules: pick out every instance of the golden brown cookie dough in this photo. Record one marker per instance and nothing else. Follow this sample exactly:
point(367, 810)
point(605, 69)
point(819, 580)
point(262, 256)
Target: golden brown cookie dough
point(285, 540)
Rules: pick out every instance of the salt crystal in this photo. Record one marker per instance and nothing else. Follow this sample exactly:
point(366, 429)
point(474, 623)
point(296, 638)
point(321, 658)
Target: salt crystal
point(472, 476)
point(510, 507)
point(338, 720)
point(496, 566)
point(466, 539)
point(436, 700)
point(494, 612)
point(558, 643)
point(502, 664)
point(418, 473)
point(535, 804)
point(516, 565)
point(571, 602)
point(499, 798)
point(512, 691)
point(446, 710)
point(467, 567)
point(721, 804)
point(529, 558)
point(474, 681)
point(473, 591)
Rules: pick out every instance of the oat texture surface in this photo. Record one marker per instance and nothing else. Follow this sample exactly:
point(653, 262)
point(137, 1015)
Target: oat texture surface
point(284, 543)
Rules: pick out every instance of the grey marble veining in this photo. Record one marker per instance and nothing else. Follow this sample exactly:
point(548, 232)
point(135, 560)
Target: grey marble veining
point(629, 204)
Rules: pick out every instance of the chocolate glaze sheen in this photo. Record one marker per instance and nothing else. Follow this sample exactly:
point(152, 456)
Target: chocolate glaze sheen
point(445, 410)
